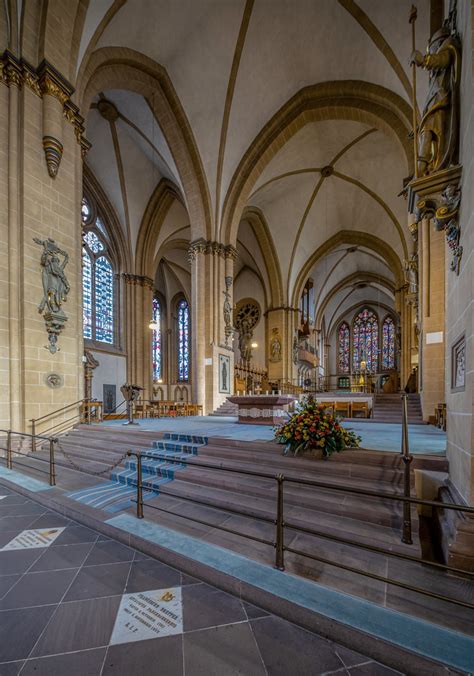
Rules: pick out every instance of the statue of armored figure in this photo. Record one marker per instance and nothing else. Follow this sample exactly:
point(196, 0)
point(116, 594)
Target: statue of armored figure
point(55, 283)
point(438, 130)
point(245, 339)
point(411, 274)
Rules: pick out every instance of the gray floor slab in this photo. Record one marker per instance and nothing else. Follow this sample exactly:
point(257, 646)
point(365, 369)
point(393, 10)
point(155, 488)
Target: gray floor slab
point(70, 628)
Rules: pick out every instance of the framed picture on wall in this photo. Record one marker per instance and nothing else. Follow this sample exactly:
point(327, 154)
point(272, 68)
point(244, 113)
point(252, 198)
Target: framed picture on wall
point(224, 373)
point(458, 364)
point(110, 398)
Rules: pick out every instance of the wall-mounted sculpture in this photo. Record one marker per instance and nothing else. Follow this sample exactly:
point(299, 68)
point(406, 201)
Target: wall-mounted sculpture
point(275, 346)
point(434, 192)
point(246, 317)
point(438, 129)
point(55, 290)
point(228, 329)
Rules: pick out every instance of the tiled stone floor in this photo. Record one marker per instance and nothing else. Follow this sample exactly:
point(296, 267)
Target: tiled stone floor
point(75, 602)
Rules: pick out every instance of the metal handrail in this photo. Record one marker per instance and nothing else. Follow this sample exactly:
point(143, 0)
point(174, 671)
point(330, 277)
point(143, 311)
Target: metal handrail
point(59, 410)
point(25, 434)
point(281, 524)
point(51, 460)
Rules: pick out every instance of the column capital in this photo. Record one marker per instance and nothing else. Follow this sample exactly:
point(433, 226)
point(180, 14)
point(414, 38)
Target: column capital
point(138, 280)
point(209, 247)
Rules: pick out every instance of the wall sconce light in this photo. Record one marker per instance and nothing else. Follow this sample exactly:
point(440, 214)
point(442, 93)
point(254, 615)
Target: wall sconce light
point(153, 325)
point(254, 345)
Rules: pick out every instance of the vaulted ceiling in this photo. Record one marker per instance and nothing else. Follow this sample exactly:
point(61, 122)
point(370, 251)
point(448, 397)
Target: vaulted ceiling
point(237, 77)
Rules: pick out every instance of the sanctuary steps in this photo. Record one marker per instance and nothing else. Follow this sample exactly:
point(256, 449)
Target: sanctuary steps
point(388, 409)
point(363, 519)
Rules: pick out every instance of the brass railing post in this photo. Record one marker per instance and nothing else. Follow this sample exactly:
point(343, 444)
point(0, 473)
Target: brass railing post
point(33, 433)
point(9, 450)
point(280, 535)
point(138, 456)
point(407, 460)
point(52, 466)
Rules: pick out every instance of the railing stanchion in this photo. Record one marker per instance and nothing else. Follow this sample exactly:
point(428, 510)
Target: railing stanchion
point(33, 433)
point(139, 487)
point(52, 466)
point(9, 450)
point(280, 524)
point(407, 460)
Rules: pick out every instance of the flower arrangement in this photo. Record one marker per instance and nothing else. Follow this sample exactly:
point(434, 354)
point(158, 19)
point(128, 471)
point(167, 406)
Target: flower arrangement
point(311, 428)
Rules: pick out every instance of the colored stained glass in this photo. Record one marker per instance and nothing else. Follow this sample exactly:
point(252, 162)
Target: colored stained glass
point(388, 344)
point(85, 211)
point(93, 242)
point(98, 287)
point(156, 340)
point(344, 349)
point(104, 301)
point(183, 341)
point(86, 294)
point(365, 341)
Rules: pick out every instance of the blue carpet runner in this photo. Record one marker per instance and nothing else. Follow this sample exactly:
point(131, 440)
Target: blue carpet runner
point(119, 493)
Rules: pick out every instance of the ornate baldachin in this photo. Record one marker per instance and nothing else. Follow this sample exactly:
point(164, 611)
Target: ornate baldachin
point(209, 247)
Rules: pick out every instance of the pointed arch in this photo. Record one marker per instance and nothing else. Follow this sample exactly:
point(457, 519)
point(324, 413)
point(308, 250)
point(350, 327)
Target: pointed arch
point(261, 230)
point(346, 99)
point(124, 68)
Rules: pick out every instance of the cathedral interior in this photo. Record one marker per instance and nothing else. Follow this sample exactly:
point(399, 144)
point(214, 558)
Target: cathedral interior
point(219, 219)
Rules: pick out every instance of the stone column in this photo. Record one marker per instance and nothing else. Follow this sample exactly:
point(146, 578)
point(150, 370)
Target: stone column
point(432, 314)
point(211, 262)
point(139, 300)
point(199, 300)
point(283, 322)
point(38, 206)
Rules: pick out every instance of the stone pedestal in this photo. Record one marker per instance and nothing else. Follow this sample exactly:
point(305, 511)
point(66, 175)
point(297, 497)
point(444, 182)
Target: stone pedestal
point(263, 409)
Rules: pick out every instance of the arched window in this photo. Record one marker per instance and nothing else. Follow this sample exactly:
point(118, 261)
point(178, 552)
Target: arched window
point(365, 341)
point(156, 340)
point(388, 344)
point(183, 340)
point(98, 286)
point(344, 348)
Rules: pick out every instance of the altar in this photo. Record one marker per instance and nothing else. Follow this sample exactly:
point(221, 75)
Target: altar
point(263, 409)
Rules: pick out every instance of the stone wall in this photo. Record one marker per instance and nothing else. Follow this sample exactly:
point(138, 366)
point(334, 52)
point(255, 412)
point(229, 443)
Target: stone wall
point(460, 289)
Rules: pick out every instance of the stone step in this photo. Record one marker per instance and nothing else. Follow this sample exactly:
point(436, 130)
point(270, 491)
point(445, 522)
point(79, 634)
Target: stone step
point(338, 522)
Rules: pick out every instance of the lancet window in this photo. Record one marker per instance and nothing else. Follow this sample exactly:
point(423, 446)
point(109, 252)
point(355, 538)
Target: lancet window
point(183, 334)
point(365, 341)
point(388, 344)
point(98, 279)
point(344, 348)
point(156, 340)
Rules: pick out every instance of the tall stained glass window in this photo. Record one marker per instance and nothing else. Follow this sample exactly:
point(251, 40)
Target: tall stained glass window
point(388, 344)
point(183, 340)
point(365, 341)
point(344, 348)
point(156, 340)
point(98, 288)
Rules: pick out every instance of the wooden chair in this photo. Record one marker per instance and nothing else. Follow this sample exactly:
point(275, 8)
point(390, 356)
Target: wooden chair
point(329, 407)
point(360, 409)
point(343, 409)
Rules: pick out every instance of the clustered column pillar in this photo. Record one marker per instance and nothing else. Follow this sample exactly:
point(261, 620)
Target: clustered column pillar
point(139, 301)
point(432, 314)
point(211, 263)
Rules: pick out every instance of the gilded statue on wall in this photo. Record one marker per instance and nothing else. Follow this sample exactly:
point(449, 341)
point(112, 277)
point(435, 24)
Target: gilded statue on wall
point(275, 346)
point(55, 289)
point(438, 130)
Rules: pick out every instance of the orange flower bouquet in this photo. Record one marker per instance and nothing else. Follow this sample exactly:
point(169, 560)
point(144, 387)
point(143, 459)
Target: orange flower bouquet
point(312, 429)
